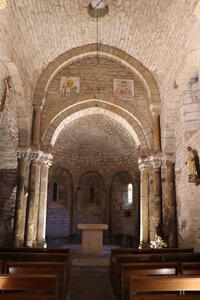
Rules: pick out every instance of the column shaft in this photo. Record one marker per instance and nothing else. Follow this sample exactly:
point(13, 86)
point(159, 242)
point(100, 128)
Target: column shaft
point(33, 186)
point(19, 202)
point(144, 203)
point(171, 205)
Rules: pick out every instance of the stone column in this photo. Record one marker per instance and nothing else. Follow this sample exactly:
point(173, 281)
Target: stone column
point(38, 106)
point(156, 206)
point(32, 196)
point(143, 164)
point(46, 162)
point(21, 194)
point(156, 126)
point(172, 227)
point(107, 204)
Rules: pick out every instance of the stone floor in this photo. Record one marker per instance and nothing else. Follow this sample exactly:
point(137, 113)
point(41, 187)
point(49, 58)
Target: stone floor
point(89, 275)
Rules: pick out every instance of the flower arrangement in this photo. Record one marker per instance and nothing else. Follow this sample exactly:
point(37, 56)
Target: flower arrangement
point(158, 242)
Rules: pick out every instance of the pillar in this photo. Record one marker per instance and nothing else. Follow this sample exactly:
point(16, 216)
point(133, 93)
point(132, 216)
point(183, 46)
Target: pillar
point(38, 106)
point(107, 204)
point(156, 200)
point(46, 162)
point(32, 196)
point(21, 196)
point(171, 204)
point(156, 127)
point(143, 164)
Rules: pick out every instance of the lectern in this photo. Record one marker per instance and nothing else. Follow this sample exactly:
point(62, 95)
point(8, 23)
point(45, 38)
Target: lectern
point(92, 237)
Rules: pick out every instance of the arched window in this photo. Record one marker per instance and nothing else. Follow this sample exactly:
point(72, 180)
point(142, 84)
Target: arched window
point(55, 191)
point(130, 193)
point(92, 190)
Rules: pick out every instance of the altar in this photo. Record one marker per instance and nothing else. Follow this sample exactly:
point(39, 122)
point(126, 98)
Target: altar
point(92, 237)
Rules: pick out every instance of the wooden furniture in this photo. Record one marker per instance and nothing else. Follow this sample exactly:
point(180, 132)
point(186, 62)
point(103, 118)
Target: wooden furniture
point(50, 268)
point(30, 286)
point(142, 269)
point(160, 284)
point(92, 237)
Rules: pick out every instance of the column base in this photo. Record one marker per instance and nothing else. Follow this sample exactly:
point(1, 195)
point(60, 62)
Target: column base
point(41, 244)
point(143, 244)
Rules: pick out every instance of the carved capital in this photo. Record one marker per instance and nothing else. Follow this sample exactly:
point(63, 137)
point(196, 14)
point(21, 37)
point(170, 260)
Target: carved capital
point(143, 163)
point(39, 103)
point(47, 159)
point(23, 154)
point(155, 162)
point(168, 161)
point(35, 156)
point(155, 109)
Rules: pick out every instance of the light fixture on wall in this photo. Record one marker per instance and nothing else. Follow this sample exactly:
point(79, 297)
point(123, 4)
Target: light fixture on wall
point(3, 4)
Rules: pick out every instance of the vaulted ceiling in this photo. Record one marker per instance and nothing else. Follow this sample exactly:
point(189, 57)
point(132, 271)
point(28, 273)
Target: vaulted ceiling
point(157, 33)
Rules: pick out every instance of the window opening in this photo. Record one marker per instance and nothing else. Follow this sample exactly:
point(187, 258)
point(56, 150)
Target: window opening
point(92, 190)
point(130, 193)
point(55, 191)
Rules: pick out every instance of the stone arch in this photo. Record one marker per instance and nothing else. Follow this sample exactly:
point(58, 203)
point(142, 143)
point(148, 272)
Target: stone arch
point(94, 106)
point(116, 54)
point(10, 59)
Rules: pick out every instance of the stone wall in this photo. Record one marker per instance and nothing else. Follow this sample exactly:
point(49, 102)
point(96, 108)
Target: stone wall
point(187, 194)
point(59, 213)
point(121, 221)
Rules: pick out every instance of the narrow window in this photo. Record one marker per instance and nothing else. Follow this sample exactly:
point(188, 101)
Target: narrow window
point(92, 190)
point(55, 191)
point(130, 193)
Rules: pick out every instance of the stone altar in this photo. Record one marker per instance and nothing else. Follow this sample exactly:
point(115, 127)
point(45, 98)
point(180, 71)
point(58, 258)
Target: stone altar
point(92, 237)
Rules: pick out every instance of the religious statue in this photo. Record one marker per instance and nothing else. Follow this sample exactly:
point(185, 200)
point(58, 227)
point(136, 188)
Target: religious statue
point(192, 163)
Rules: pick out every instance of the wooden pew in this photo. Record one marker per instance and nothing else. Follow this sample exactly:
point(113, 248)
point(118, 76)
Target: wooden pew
point(1, 266)
point(27, 249)
point(50, 268)
point(131, 258)
point(181, 257)
point(190, 268)
point(160, 284)
point(27, 286)
point(119, 251)
point(142, 269)
point(34, 256)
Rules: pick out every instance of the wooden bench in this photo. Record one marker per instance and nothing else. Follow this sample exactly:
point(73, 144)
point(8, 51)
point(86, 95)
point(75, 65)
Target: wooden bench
point(1, 266)
point(142, 269)
point(181, 257)
point(190, 268)
point(34, 256)
point(27, 286)
point(48, 268)
point(159, 284)
point(25, 249)
point(115, 252)
point(131, 258)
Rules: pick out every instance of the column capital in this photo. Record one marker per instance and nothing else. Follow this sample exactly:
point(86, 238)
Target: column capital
point(168, 160)
point(23, 154)
point(35, 155)
point(39, 103)
point(143, 163)
point(155, 109)
point(47, 159)
point(155, 161)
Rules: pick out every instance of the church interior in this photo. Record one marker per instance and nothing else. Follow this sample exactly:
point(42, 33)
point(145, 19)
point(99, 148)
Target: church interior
point(99, 124)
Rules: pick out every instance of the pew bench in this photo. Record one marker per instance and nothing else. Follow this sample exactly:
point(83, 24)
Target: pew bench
point(50, 268)
point(27, 286)
point(34, 256)
point(143, 287)
point(190, 268)
point(142, 269)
